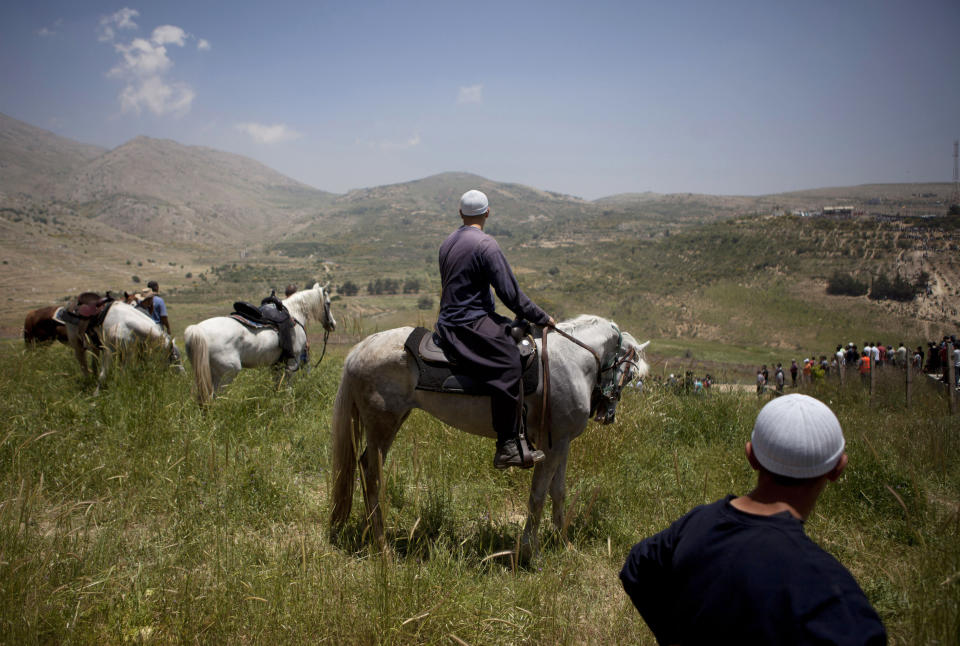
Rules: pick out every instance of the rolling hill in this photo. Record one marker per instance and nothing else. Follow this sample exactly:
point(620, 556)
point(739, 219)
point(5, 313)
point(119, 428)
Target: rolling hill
point(33, 161)
point(694, 271)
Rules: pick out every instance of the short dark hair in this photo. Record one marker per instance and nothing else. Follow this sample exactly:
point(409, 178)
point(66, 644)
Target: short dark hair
point(153, 285)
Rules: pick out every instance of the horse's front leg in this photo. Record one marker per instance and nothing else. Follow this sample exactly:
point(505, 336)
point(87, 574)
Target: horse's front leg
point(542, 477)
point(558, 486)
point(75, 342)
point(106, 357)
point(175, 358)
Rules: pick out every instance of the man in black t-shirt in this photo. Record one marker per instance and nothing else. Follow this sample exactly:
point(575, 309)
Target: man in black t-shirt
point(741, 570)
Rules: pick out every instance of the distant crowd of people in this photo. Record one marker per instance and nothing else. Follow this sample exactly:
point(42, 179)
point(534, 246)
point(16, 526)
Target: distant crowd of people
point(935, 360)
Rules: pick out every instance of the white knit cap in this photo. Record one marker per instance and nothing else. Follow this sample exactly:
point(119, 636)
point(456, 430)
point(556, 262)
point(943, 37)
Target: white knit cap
point(473, 203)
point(797, 436)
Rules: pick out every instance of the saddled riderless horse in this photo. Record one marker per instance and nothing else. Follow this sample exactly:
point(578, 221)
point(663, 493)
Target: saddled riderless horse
point(118, 328)
point(221, 346)
point(590, 360)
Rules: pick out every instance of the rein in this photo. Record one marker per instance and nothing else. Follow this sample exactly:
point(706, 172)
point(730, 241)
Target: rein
point(326, 335)
point(545, 410)
point(326, 332)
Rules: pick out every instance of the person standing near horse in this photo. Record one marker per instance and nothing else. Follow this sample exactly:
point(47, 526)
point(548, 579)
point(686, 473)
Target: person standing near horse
point(471, 262)
point(155, 306)
point(742, 570)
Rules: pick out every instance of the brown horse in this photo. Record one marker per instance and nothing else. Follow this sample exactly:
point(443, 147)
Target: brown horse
point(40, 327)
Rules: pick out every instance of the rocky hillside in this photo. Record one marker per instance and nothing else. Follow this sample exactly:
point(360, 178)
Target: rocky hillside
point(33, 161)
point(154, 188)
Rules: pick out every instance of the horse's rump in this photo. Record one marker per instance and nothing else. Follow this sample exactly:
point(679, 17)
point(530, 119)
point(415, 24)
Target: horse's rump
point(41, 326)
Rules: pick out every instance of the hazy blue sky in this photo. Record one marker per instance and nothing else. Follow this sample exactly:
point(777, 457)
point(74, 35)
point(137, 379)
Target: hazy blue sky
point(584, 98)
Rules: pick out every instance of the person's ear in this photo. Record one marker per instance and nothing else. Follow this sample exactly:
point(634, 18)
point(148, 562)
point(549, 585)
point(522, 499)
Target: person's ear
point(837, 470)
point(751, 458)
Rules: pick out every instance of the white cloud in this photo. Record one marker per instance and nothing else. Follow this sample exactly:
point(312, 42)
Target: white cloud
point(471, 94)
point(122, 19)
point(168, 35)
point(203, 45)
point(158, 96)
point(141, 58)
point(264, 134)
point(144, 64)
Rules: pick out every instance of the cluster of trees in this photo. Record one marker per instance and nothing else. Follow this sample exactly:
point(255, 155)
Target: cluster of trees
point(393, 286)
point(883, 287)
point(383, 286)
point(846, 285)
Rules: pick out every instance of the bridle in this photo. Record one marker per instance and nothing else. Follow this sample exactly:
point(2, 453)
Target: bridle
point(607, 394)
point(326, 328)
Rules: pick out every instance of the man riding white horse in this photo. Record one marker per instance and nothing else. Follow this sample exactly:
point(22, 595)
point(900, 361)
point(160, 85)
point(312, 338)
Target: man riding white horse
point(471, 262)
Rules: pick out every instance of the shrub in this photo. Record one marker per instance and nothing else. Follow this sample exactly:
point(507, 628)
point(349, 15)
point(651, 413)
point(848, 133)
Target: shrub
point(897, 289)
point(846, 285)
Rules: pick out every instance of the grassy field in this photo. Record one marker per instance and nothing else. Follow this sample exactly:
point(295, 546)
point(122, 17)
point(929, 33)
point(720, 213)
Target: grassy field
point(132, 517)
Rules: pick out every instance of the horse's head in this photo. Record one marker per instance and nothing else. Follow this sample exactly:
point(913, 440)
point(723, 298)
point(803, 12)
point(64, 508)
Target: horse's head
point(316, 301)
point(326, 319)
point(626, 363)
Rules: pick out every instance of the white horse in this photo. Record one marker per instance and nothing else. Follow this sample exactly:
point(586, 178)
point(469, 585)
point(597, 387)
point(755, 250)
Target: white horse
point(220, 347)
point(123, 329)
point(377, 392)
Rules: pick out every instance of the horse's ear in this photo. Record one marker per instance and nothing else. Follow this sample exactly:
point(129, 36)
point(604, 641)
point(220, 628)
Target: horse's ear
point(643, 346)
point(326, 286)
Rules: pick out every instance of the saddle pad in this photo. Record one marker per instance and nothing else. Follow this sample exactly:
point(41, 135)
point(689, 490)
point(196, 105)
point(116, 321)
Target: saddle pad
point(85, 313)
point(253, 325)
point(442, 378)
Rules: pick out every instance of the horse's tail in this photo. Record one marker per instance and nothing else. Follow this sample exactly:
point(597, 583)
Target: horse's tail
point(346, 437)
point(199, 353)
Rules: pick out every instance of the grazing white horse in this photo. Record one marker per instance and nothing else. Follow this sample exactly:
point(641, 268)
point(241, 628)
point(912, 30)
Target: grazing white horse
point(124, 328)
point(221, 346)
point(377, 392)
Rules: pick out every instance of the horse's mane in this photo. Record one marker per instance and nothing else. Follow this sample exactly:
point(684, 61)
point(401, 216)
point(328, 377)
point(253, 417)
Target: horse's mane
point(581, 322)
point(302, 304)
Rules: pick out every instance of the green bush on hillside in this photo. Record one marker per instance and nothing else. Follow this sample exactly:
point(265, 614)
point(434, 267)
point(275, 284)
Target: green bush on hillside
point(897, 289)
point(846, 285)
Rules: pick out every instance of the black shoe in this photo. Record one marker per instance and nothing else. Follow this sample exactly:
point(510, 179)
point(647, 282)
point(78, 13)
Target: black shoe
point(509, 455)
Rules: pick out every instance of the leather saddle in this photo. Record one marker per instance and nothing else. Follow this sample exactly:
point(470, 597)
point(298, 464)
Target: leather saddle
point(86, 313)
point(438, 372)
point(272, 314)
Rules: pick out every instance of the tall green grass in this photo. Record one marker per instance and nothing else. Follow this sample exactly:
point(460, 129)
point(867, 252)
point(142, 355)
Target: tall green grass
point(133, 517)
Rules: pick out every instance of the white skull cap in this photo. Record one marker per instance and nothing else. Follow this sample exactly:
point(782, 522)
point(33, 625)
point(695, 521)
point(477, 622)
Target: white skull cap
point(797, 436)
point(473, 203)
